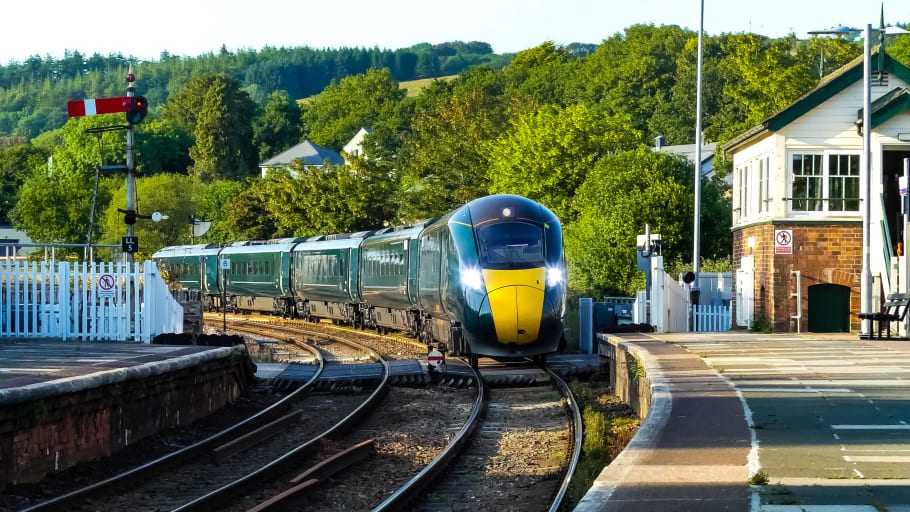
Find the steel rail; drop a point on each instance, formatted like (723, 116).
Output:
(196, 450)
(269, 471)
(413, 487)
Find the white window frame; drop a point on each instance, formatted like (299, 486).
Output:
(825, 177)
(754, 183)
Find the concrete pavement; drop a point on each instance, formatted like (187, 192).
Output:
(820, 412)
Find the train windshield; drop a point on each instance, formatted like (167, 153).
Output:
(510, 245)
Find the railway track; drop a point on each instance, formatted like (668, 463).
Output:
(419, 439)
(521, 457)
(219, 466)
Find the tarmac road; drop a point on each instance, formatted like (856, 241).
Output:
(831, 416)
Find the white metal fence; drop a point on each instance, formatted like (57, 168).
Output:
(100, 301)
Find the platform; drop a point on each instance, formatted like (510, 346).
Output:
(62, 403)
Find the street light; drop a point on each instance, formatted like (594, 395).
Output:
(866, 273)
(696, 225)
(838, 31)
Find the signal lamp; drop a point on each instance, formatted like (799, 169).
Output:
(139, 107)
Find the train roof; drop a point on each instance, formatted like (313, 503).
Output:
(187, 250)
(259, 247)
(409, 231)
(499, 206)
(321, 244)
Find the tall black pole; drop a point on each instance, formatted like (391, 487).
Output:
(130, 166)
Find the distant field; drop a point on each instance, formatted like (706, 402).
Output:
(414, 86)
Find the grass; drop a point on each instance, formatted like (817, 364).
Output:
(759, 478)
(603, 439)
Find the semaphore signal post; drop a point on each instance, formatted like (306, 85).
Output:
(135, 108)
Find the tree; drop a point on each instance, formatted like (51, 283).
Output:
(632, 72)
(547, 155)
(162, 146)
(55, 206)
(167, 193)
(276, 127)
(444, 161)
(213, 203)
(371, 100)
(541, 75)
(223, 133)
(245, 215)
(623, 192)
(328, 199)
(17, 163)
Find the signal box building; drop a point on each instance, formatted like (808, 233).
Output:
(798, 208)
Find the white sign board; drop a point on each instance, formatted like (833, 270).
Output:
(107, 285)
(783, 241)
(224, 264)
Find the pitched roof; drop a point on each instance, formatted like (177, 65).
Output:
(310, 152)
(825, 90)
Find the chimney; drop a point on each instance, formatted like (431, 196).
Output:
(659, 141)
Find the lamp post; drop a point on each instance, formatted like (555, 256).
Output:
(866, 273)
(696, 225)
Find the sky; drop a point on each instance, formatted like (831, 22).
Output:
(192, 27)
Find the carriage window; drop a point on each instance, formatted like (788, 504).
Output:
(507, 245)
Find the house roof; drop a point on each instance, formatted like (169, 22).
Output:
(310, 152)
(688, 151)
(825, 90)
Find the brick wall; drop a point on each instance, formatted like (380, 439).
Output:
(823, 253)
(51, 434)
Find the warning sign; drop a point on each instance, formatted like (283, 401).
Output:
(783, 241)
(435, 358)
(107, 285)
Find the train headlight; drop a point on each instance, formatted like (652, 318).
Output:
(472, 278)
(554, 276)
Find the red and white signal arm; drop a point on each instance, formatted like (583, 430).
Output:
(435, 358)
(95, 106)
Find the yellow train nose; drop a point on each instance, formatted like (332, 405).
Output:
(516, 302)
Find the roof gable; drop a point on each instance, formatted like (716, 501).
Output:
(884, 108)
(307, 151)
(825, 90)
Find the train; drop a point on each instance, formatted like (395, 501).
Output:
(487, 279)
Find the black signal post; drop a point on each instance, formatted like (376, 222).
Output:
(138, 106)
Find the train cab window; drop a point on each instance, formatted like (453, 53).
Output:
(506, 245)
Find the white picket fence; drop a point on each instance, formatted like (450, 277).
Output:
(100, 301)
(668, 310)
(713, 318)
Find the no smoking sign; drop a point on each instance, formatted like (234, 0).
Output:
(783, 241)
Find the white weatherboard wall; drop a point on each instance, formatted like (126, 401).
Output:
(100, 301)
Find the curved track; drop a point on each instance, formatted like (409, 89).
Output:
(141, 486)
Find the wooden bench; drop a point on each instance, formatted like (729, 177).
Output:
(893, 310)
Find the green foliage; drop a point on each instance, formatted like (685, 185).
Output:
(276, 126)
(166, 193)
(759, 478)
(549, 154)
(370, 100)
(223, 131)
(443, 159)
(761, 323)
(623, 193)
(17, 163)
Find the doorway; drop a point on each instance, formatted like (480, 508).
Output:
(829, 308)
